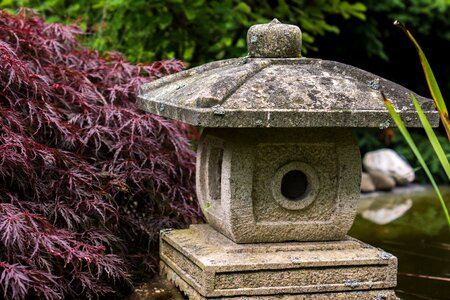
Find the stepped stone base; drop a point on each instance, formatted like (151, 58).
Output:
(204, 264)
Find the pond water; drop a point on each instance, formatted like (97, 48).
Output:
(416, 232)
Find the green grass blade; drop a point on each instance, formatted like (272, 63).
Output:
(432, 137)
(401, 126)
(431, 80)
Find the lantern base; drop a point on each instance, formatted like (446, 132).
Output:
(204, 264)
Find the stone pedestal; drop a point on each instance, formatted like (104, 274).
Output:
(205, 264)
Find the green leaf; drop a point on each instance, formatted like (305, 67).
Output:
(6, 3)
(412, 145)
(243, 7)
(357, 10)
(190, 13)
(165, 20)
(52, 19)
(431, 80)
(432, 137)
(198, 3)
(98, 5)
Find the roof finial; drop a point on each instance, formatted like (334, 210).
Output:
(274, 39)
(275, 21)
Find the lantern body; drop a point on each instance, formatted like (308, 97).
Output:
(276, 185)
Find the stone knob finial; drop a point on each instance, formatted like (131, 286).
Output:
(274, 40)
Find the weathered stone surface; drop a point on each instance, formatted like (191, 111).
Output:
(367, 185)
(274, 40)
(388, 162)
(240, 183)
(274, 92)
(358, 295)
(382, 181)
(216, 267)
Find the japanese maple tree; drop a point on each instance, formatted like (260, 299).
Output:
(86, 179)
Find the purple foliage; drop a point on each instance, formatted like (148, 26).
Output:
(86, 179)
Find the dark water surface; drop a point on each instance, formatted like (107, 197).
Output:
(418, 235)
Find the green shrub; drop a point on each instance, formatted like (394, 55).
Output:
(195, 31)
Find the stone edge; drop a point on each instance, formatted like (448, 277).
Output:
(225, 118)
(384, 294)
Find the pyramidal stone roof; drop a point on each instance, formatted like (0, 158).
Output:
(279, 89)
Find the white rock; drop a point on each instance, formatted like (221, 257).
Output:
(367, 185)
(387, 161)
(382, 181)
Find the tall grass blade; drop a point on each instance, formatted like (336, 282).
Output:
(431, 81)
(432, 137)
(401, 126)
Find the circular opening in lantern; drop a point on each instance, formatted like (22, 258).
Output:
(294, 185)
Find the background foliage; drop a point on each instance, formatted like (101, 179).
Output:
(195, 31)
(359, 33)
(377, 46)
(198, 31)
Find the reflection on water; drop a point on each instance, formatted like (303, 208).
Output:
(417, 234)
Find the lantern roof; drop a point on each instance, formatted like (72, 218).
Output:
(275, 87)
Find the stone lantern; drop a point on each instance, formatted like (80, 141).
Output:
(278, 173)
